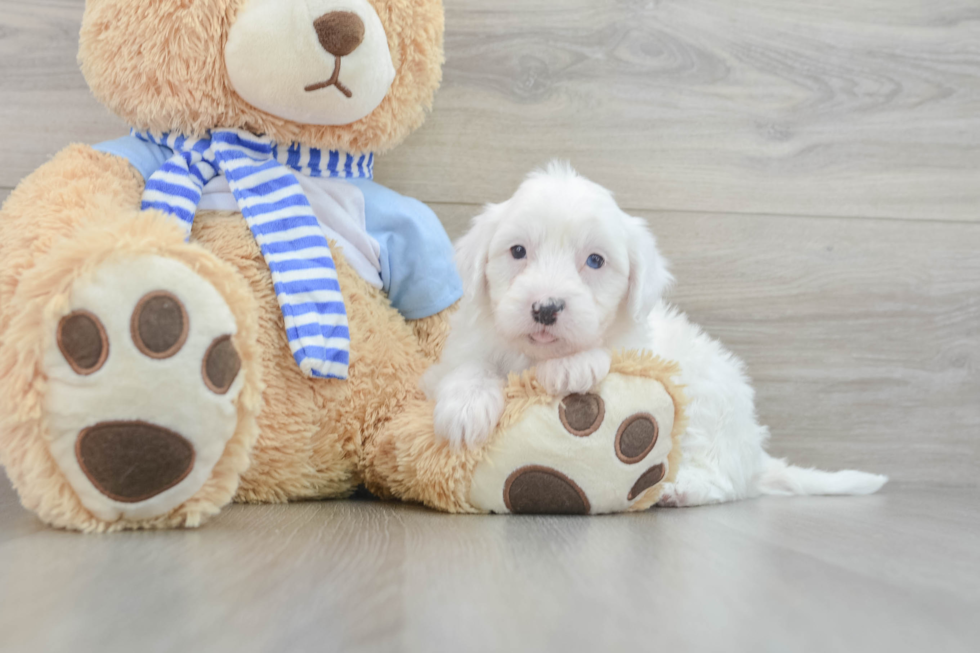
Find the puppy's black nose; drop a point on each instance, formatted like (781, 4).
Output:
(546, 313)
(340, 32)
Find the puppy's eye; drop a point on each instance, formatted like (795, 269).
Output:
(518, 252)
(595, 261)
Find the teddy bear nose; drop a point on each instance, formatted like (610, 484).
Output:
(340, 32)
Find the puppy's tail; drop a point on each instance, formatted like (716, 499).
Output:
(782, 479)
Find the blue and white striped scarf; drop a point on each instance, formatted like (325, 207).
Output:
(277, 211)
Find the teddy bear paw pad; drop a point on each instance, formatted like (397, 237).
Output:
(143, 378)
(581, 454)
(131, 462)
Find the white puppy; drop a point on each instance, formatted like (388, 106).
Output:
(557, 277)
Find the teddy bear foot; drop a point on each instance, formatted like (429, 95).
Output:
(613, 449)
(143, 378)
(607, 451)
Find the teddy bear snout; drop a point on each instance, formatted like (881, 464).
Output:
(340, 32)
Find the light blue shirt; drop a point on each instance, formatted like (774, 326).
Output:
(418, 271)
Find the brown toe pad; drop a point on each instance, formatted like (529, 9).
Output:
(221, 365)
(83, 342)
(160, 325)
(636, 438)
(131, 462)
(582, 415)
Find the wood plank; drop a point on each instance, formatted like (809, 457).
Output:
(836, 108)
(46, 103)
(863, 336)
(896, 572)
(839, 108)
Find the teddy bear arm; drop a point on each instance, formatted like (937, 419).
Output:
(610, 450)
(72, 191)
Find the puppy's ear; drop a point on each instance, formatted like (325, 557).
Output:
(649, 276)
(473, 250)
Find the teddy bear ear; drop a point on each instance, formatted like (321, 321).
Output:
(165, 66)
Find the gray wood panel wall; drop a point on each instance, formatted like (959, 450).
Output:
(812, 170)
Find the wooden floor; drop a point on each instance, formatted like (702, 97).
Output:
(891, 573)
(812, 169)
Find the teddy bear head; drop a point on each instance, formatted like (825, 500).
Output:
(350, 75)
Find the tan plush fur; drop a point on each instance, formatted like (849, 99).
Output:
(432, 332)
(53, 204)
(159, 64)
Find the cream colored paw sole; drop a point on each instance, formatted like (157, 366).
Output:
(142, 387)
(584, 454)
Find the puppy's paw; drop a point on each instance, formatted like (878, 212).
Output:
(576, 374)
(466, 416)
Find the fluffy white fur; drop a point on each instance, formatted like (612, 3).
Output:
(561, 219)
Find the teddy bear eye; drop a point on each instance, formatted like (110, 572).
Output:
(518, 252)
(595, 261)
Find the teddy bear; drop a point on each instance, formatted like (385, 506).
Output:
(224, 306)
